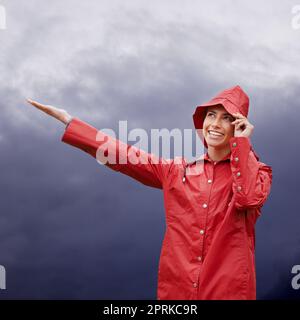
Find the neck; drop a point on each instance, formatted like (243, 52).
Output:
(216, 154)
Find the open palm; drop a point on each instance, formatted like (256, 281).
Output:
(59, 114)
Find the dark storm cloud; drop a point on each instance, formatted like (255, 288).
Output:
(70, 228)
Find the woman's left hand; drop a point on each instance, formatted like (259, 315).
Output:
(242, 126)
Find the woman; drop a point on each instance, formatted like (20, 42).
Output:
(208, 249)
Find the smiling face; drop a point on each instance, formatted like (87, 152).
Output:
(217, 127)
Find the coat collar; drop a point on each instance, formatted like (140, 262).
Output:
(205, 157)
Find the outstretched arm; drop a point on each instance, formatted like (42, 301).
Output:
(134, 162)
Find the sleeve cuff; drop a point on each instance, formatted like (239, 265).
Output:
(240, 142)
(240, 149)
(67, 124)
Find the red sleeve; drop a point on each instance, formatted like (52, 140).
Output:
(130, 160)
(251, 179)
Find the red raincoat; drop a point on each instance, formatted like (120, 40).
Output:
(211, 209)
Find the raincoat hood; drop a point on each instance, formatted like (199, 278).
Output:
(233, 100)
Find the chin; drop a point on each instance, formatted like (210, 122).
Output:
(213, 143)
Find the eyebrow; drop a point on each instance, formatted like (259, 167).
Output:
(225, 113)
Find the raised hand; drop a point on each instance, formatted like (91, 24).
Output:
(60, 114)
(242, 126)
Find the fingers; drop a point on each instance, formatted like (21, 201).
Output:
(38, 105)
(243, 128)
(241, 125)
(237, 121)
(60, 114)
(238, 118)
(52, 111)
(239, 115)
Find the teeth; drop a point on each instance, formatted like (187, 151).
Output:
(215, 133)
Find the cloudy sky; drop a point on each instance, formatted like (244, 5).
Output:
(72, 229)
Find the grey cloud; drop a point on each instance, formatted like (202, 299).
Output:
(70, 228)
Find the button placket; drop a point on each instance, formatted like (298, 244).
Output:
(205, 205)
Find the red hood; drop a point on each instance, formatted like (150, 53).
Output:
(233, 100)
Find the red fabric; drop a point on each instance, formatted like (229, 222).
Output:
(220, 262)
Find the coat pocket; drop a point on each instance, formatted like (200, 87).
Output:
(178, 195)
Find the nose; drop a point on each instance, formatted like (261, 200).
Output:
(216, 122)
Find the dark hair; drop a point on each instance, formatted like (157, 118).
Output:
(205, 112)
